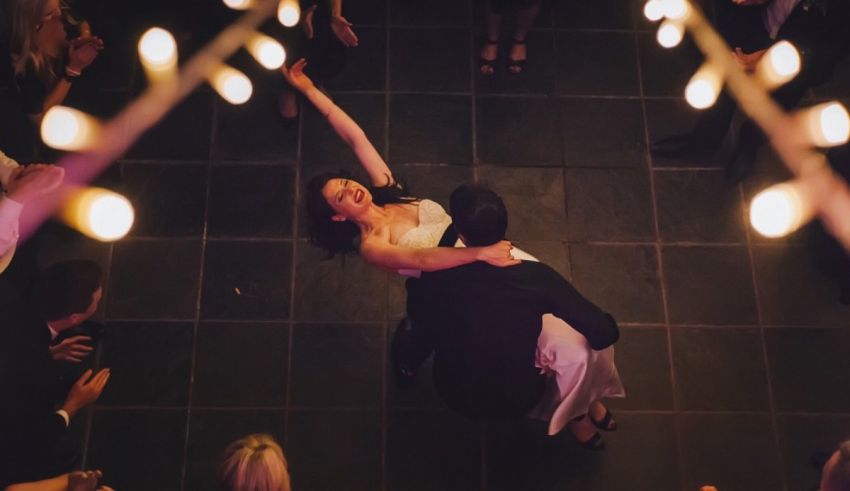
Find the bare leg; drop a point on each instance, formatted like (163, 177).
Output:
(490, 49)
(524, 20)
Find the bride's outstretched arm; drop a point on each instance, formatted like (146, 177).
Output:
(342, 123)
(380, 252)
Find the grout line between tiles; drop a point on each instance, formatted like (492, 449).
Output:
(658, 254)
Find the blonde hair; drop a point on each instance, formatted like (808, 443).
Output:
(23, 17)
(254, 463)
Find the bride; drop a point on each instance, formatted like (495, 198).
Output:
(395, 231)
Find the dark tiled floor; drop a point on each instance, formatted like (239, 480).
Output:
(222, 320)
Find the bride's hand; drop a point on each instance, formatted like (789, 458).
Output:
(296, 77)
(498, 254)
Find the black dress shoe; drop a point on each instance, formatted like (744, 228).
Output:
(678, 146)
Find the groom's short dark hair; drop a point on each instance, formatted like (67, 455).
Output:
(479, 214)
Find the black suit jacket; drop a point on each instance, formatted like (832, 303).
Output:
(30, 430)
(483, 323)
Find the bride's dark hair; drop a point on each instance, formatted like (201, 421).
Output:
(343, 237)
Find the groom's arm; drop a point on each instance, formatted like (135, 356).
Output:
(584, 316)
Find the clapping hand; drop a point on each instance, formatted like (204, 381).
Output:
(82, 52)
(342, 28)
(296, 77)
(85, 391)
(72, 349)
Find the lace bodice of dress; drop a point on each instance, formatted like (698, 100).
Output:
(433, 222)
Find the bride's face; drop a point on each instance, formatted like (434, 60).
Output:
(347, 197)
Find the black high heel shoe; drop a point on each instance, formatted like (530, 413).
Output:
(488, 67)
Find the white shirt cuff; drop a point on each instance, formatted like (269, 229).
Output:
(65, 416)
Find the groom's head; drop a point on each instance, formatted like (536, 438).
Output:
(478, 214)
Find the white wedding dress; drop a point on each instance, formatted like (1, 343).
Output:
(579, 375)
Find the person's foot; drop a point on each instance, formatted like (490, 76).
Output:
(287, 105)
(601, 417)
(585, 434)
(518, 56)
(489, 54)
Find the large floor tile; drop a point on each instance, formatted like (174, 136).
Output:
(709, 285)
(338, 289)
(666, 71)
(322, 378)
(320, 145)
(517, 131)
(698, 206)
(592, 138)
(604, 14)
(596, 63)
(435, 13)
(435, 60)
(149, 362)
(154, 279)
(806, 367)
(255, 130)
(430, 128)
(247, 280)
(184, 133)
(729, 452)
(642, 454)
(138, 450)
(668, 117)
(802, 436)
(366, 65)
(169, 199)
(331, 450)
(780, 273)
(251, 201)
(609, 205)
(534, 198)
(719, 369)
(643, 361)
(241, 364)
(447, 456)
(210, 431)
(622, 280)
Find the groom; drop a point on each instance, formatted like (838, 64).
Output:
(482, 323)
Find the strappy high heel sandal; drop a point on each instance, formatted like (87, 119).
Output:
(487, 67)
(517, 66)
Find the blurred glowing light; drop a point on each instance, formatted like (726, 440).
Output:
(99, 213)
(267, 51)
(238, 4)
(65, 128)
(778, 210)
(232, 85)
(158, 50)
(675, 9)
(653, 10)
(288, 12)
(827, 124)
(780, 64)
(670, 34)
(704, 87)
